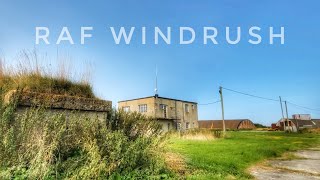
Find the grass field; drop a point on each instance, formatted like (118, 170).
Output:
(230, 157)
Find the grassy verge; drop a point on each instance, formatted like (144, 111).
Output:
(229, 158)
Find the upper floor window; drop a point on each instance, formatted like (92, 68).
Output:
(143, 108)
(163, 107)
(186, 108)
(126, 108)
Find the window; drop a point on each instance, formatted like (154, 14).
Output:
(186, 108)
(126, 109)
(163, 107)
(143, 108)
(187, 125)
(178, 126)
(168, 126)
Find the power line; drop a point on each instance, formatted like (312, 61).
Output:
(270, 99)
(247, 94)
(303, 107)
(209, 103)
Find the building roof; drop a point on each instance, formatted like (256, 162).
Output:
(317, 122)
(218, 124)
(303, 122)
(159, 98)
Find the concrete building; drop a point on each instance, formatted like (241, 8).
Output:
(173, 114)
(232, 124)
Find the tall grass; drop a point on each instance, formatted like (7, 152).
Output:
(37, 146)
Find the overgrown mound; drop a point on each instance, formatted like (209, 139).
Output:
(44, 84)
(32, 73)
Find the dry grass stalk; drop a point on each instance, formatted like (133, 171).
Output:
(32, 72)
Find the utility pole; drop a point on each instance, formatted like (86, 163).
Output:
(287, 120)
(222, 110)
(284, 124)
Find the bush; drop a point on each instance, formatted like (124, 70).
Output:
(37, 146)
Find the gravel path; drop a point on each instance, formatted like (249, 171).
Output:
(306, 167)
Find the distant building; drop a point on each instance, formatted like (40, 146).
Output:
(172, 114)
(235, 124)
(299, 121)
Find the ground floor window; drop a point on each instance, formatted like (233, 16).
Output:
(126, 108)
(178, 126)
(187, 125)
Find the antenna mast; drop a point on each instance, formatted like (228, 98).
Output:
(156, 89)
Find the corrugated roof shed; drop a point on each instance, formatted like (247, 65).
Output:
(302, 123)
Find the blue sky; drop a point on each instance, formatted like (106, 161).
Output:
(190, 72)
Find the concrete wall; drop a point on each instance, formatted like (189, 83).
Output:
(167, 125)
(68, 113)
(56, 104)
(134, 105)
